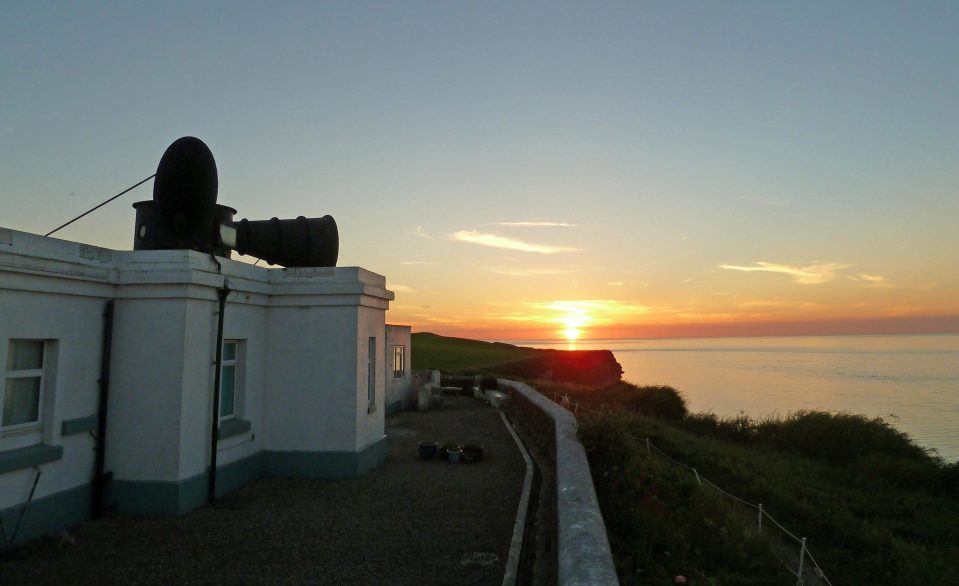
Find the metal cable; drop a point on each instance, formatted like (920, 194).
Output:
(138, 184)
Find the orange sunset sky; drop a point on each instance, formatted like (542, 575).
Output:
(530, 170)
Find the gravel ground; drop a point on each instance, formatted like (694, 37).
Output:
(407, 522)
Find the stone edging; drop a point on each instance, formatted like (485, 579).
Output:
(583, 547)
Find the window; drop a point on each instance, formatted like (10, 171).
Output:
(228, 390)
(22, 388)
(371, 376)
(399, 361)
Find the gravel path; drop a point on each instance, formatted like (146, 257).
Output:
(407, 522)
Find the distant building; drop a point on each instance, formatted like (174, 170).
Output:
(400, 394)
(300, 390)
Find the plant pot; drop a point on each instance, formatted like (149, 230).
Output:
(472, 453)
(454, 455)
(428, 450)
(445, 448)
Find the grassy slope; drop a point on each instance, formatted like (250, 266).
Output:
(431, 351)
(872, 517)
(875, 508)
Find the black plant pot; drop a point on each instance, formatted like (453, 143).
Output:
(427, 450)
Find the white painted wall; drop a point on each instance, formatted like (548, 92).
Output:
(311, 383)
(76, 323)
(399, 389)
(370, 423)
(147, 372)
(303, 363)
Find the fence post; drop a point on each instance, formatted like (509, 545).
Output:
(697, 477)
(760, 518)
(802, 554)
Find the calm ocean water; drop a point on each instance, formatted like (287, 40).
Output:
(911, 381)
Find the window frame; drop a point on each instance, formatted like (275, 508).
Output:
(399, 373)
(371, 374)
(39, 373)
(235, 363)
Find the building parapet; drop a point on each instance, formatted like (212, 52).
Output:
(583, 551)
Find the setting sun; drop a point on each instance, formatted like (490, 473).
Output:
(574, 321)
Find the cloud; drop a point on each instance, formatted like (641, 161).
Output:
(768, 202)
(557, 224)
(579, 312)
(397, 288)
(615, 283)
(419, 232)
(874, 281)
(814, 274)
(509, 272)
(484, 239)
(419, 262)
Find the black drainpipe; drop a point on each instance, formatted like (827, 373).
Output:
(100, 478)
(215, 420)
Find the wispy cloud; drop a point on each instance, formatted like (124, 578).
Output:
(420, 233)
(814, 274)
(614, 283)
(401, 288)
(419, 262)
(874, 281)
(556, 224)
(769, 202)
(577, 313)
(511, 272)
(496, 241)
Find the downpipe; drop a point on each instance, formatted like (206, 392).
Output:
(222, 294)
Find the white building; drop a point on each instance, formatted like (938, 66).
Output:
(301, 393)
(399, 376)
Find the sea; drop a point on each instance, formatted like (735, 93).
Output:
(911, 381)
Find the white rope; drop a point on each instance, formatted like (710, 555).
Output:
(819, 572)
(729, 494)
(781, 527)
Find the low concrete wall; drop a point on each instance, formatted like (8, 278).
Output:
(584, 555)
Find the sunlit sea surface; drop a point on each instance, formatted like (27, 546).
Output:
(911, 381)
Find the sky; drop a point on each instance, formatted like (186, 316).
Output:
(528, 170)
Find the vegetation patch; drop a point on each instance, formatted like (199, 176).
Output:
(462, 356)
(875, 507)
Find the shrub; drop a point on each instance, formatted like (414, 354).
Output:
(658, 401)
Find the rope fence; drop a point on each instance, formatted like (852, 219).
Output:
(794, 561)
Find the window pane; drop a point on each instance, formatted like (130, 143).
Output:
(227, 390)
(21, 400)
(25, 355)
(398, 361)
(229, 350)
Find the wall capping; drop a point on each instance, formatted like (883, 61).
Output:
(583, 546)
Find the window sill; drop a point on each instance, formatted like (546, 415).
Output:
(232, 427)
(29, 457)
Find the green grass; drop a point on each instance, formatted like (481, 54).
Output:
(431, 351)
(875, 510)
